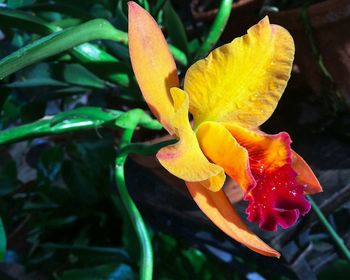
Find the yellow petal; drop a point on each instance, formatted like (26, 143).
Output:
(185, 158)
(242, 81)
(305, 175)
(220, 147)
(219, 210)
(152, 62)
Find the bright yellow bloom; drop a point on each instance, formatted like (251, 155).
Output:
(230, 94)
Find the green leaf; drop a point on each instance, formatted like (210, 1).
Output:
(107, 271)
(3, 241)
(98, 115)
(37, 82)
(58, 42)
(96, 59)
(105, 65)
(18, 19)
(175, 28)
(74, 120)
(38, 75)
(78, 119)
(78, 75)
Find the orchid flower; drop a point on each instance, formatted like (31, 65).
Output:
(230, 94)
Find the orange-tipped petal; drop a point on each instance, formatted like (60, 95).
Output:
(218, 209)
(185, 158)
(242, 81)
(221, 148)
(306, 176)
(152, 62)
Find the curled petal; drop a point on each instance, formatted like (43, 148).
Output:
(152, 62)
(216, 206)
(242, 81)
(222, 148)
(185, 158)
(278, 198)
(306, 176)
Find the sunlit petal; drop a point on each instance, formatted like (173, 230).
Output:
(216, 206)
(221, 148)
(152, 62)
(185, 158)
(242, 81)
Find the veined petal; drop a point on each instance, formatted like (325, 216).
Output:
(242, 82)
(185, 158)
(306, 176)
(216, 206)
(278, 197)
(152, 62)
(221, 147)
(265, 151)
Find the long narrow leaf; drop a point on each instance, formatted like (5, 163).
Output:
(175, 27)
(16, 18)
(78, 119)
(57, 42)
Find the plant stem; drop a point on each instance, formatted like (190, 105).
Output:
(146, 258)
(216, 29)
(334, 235)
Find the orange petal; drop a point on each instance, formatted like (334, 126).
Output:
(152, 62)
(220, 147)
(242, 81)
(267, 151)
(306, 176)
(185, 158)
(219, 210)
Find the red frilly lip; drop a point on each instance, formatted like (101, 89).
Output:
(277, 197)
